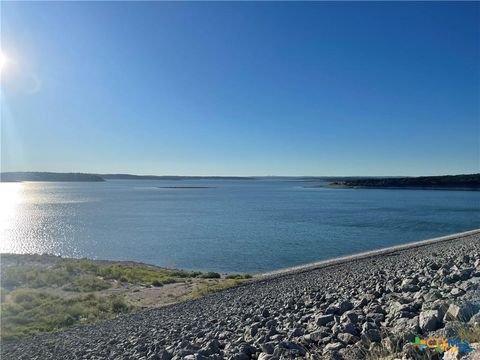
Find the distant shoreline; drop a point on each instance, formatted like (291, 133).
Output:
(469, 182)
(49, 176)
(447, 182)
(335, 186)
(186, 187)
(86, 177)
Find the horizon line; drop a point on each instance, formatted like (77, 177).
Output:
(232, 176)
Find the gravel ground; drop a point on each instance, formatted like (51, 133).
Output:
(344, 309)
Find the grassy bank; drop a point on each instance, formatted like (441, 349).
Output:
(42, 293)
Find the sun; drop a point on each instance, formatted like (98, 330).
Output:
(3, 61)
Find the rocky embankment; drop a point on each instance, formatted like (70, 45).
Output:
(366, 307)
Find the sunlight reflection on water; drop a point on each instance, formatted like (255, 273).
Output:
(27, 225)
(226, 226)
(11, 195)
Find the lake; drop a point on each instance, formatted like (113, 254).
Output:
(222, 225)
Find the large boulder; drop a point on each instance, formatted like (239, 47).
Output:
(429, 320)
(347, 338)
(349, 316)
(323, 319)
(461, 312)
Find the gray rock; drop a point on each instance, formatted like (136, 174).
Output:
(240, 356)
(247, 349)
(449, 355)
(200, 357)
(359, 304)
(268, 347)
(265, 356)
(429, 320)
(252, 330)
(164, 355)
(322, 320)
(333, 347)
(297, 332)
(456, 292)
(344, 306)
(349, 328)
(297, 348)
(475, 320)
(410, 288)
(373, 335)
(318, 335)
(461, 312)
(349, 316)
(347, 338)
(376, 318)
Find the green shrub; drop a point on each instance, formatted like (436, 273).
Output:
(181, 274)
(210, 275)
(118, 305)
(169, 281)
(157, 283)
(87, 283)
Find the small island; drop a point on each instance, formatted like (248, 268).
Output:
(449, 182)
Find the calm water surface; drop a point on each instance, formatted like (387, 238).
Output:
(250, 225)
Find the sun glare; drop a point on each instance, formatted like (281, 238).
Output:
(11, 195)
(3, 61)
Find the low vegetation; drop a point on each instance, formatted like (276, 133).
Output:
(28, 311)
(42, 293)
(239, 276)
(210, 275)
(204, 288)
(470, 333)
(88, 275)
(470, 181)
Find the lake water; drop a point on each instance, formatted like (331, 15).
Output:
(234, 226)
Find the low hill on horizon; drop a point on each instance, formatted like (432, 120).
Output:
(47, 176)
(17, 176)
(469, 181)
(170, 177)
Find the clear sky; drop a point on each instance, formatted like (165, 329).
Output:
(241, 88)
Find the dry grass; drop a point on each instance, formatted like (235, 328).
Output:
(42, 293)
(470, 333)
(206, 287)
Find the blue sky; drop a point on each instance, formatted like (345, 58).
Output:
(241, 88)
